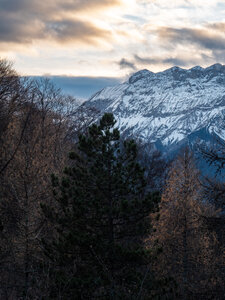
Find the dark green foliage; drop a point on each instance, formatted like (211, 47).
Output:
(101, 220)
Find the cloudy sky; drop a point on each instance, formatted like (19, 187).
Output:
(110, 38)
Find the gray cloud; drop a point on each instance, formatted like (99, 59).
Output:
(52, 7)
(182, 62)
(21, 31)
(145, 60)
(24, 21)
(178, 61)
(125, 64)
(200, 37)
(218, 56)
(217, 26)
(70, 30)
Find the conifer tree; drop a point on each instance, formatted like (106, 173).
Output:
(101, 219)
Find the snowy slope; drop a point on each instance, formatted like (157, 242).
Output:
(167, 106)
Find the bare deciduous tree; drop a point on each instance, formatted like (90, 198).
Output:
(189, 249)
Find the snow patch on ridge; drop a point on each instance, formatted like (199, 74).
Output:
(169, 105)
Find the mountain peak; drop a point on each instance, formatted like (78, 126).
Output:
(167, 106)
(178, 72)
(196, 68)
(215, 67)
(174, 69)
(139, 75)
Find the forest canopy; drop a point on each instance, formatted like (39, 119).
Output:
(88, 214)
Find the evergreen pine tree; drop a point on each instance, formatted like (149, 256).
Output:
(100, 220)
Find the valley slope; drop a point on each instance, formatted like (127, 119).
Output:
(168, 108)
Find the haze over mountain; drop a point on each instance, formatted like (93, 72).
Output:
(168, 108)
(81, 87)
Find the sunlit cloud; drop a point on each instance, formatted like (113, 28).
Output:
(110, 37)
(26, 21)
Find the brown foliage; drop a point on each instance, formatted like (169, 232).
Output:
(191, 252)
(34, 144)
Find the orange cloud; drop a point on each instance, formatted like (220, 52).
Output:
(25, 21)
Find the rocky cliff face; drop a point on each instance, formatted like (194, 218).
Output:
(169, 107)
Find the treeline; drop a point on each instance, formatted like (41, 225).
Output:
(87, 215)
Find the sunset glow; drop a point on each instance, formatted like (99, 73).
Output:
(110, 37)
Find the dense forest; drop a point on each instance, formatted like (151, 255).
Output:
(87, 214)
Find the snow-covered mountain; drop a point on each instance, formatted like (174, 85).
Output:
(168, 107)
